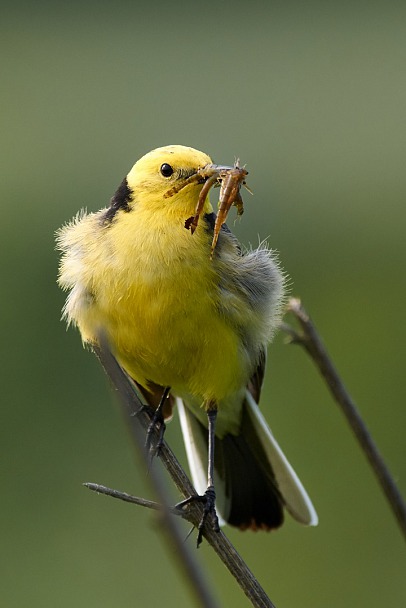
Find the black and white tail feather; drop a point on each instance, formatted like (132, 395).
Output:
(253, 479)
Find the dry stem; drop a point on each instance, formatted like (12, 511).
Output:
(311, 341)
(139, 418)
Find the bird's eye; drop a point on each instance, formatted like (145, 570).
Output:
(166, 170)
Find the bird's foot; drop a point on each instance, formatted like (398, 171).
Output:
(209, 511)
(154, 443)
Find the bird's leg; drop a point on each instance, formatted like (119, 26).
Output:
(157, 420)
(210, 494)
(209, 497)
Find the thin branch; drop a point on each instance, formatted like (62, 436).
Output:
(135, 500)
(311, 341)
(138, 417)
(135, 411)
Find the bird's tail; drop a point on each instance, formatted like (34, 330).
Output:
(253, 479)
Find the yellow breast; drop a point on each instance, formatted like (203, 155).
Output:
(156, 295)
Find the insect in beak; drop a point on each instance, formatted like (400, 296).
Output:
(230, 180)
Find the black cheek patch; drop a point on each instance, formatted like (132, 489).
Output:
(121, 200)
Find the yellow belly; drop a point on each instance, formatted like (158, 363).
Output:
(191, 351)
(161, 317)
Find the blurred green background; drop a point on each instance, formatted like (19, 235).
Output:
(312, 97)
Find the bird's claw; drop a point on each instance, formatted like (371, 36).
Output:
(157, 425)
(209, 511)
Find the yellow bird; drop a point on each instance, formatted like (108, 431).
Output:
(197, 325)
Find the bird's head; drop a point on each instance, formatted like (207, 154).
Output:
(165, 170)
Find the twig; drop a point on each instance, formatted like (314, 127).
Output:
(135, 500)
(139, 418)
(311, 341)
(134, 411)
